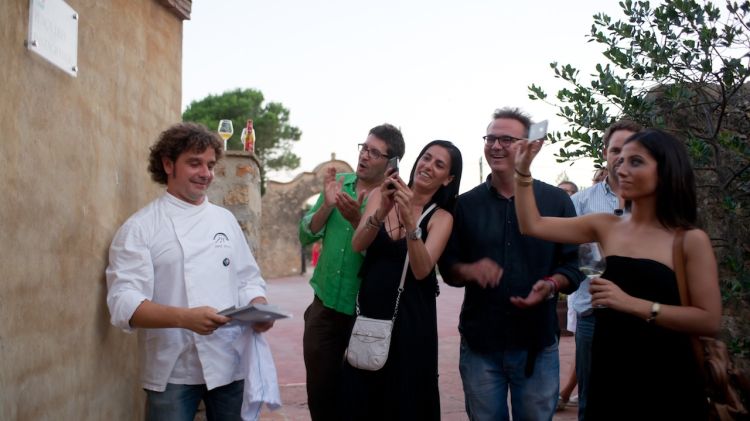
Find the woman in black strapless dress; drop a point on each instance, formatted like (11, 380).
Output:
(642, 365)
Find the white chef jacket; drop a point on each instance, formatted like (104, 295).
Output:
(178, 254)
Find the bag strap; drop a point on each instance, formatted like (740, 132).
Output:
(678, 260)
(403, 272)
(406, 264)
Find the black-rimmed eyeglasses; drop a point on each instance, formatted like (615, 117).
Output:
(504, 140)
(371, 152)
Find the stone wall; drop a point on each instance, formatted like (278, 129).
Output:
(280, 249)
(236, 186)
(73, 160)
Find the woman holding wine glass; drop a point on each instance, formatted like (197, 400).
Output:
(641, 341)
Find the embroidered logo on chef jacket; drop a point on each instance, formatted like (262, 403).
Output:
(221, 240)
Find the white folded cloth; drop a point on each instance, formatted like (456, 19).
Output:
(261, 383)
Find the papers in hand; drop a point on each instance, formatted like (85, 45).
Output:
(252, 313)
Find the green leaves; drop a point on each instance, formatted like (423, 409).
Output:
(675, 46)
(274, 136)
(682, 66)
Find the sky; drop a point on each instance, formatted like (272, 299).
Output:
(436, 69)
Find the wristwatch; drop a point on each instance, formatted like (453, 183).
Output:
(415, 235)
(655, 308)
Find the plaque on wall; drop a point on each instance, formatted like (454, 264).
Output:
(53, 33)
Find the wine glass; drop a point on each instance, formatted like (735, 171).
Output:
(225, 131)
(591, 261)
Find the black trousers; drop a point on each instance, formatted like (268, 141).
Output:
(324, 341)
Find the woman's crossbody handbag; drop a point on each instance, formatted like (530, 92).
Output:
(371, 338)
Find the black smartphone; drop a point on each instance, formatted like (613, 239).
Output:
(392, 164)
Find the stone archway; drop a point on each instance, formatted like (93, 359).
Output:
(279, 253)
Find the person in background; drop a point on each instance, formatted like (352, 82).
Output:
(332, 220)
(602, 197)
(406, 388)
(315, 253)
(172, 266)
(642, 330)
(565, 399)
(508, 323)
(570, 187)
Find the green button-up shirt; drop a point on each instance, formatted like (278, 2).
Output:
(335, 280)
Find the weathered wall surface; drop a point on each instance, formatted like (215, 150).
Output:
(73, 164)
(236, 186)
(279, 253)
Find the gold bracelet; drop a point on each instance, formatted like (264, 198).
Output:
(522, 174)
(523, 181)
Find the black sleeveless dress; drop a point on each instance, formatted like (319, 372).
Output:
(406, 388)
(640, 371)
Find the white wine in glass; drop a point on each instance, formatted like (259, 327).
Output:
(592, 262)
(225, 131)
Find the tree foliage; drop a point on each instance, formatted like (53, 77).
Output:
(681, 66)
(274, 136)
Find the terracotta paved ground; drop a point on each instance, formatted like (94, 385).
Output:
(294, 294)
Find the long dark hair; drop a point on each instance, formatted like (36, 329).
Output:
(445, 196)
(676, 205)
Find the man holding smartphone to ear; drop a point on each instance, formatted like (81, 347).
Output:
(391, 168)
(335, 282)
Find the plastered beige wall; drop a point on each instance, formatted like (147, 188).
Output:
(73, 168)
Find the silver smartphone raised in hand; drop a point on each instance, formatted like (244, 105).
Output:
(538, 130)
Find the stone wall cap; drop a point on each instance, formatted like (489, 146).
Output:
(319, 171)
(242, 154)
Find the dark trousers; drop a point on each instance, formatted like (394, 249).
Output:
(324, 342)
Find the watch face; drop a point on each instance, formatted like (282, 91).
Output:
(416, 234)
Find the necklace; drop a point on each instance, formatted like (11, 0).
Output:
(390, 228)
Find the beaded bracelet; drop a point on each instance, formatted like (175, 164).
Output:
(554, 281)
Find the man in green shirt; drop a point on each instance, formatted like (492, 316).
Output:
(333, 219)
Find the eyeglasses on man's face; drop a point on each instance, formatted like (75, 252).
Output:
(371, 152)
(504, 140)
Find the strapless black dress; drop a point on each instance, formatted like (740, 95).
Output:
(640, 371)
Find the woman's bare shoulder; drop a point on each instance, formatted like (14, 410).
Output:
(696, 238)
(442, 215)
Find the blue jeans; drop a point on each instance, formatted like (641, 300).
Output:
(488, 377)
(584, 338)
(179, 402)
